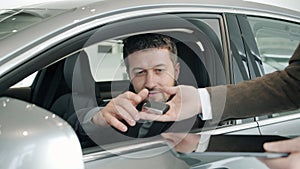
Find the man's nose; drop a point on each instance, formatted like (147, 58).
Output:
(150, 80)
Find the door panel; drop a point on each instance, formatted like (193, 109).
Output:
(287, 125)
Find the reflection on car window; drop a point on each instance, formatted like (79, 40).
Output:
(106, 61)
(26, 82)
(276, 41)
(199, 50)
(13, 21)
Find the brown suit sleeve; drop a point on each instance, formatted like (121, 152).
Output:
(274, 92)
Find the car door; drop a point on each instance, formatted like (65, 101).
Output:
(276, 40)
(265, 45)
(106, 44)
(203, 49)
(204, 38)
(240, 69)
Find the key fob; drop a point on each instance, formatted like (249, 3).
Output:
(156, 107)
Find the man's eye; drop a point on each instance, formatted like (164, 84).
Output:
(159, 70)
(140, 72)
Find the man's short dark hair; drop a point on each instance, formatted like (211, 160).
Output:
(150, 40)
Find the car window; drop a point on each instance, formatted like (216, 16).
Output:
(106, 58)
(26, 82)
(200, 51)
(276, 41)
(106, 61)
(198, 41)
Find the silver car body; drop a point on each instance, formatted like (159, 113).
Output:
(30, 138)
(70, 19)
(76, 20)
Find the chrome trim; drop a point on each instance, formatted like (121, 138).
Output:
(123, 150)
(226, 49)
(279, 119)
(189, 31)
(230, 129)
(15, 62)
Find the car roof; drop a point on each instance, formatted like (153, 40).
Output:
(76, 11)
(111, 5)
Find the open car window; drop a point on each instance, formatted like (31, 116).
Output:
(200, 54)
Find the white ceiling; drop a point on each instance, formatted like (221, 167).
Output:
(291, 4)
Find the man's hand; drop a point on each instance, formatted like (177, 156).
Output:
(291, 146)
(182, 142)
(123, 107)
(185, 104)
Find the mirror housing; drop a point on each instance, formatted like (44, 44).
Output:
(32, 137)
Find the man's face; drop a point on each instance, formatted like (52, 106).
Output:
(152, 69)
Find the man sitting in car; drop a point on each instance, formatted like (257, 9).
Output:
(151, 62)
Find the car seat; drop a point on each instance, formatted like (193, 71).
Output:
(79, 80)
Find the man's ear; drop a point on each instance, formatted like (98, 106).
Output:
(177, 71)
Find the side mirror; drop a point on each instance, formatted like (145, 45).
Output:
(32, 137)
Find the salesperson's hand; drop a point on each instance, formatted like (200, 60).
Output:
(291, 146)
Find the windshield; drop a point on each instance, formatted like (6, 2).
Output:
(13, 21)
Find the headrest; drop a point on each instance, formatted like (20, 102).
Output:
(77, 74)
(205, 28)
(192, 69)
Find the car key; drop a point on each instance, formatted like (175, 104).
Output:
(156, 107)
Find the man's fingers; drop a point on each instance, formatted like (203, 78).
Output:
(156, 117)
(143, 94)
(290, 145)
(123, 114)
(174, 136)
(126, 109)
(113, 121)
(275, 163)
(136, 99)
(169, 137)
(170, 90)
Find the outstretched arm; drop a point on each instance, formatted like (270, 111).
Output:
(275, 92)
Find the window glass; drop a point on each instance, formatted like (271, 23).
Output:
(26, 82)
(199, 50)
(276, 41)
(106, 61)
(106, 57)
(215, 25)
